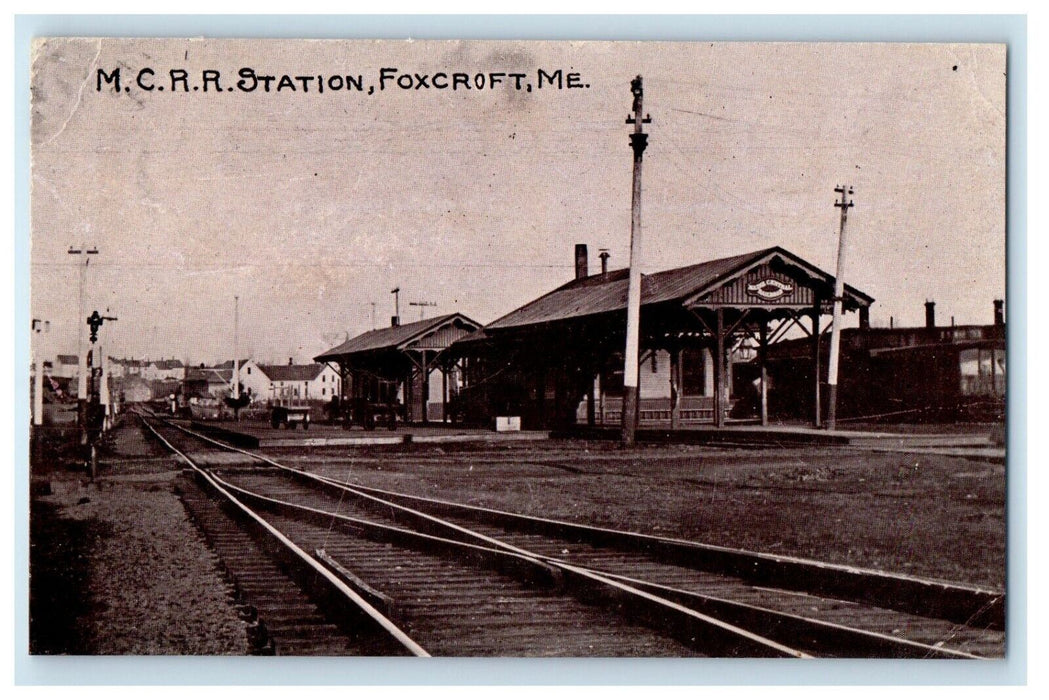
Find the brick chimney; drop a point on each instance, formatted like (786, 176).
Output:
(581, 267)
(999, 312)
(930, 314)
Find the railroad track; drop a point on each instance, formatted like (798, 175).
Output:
(462, 580)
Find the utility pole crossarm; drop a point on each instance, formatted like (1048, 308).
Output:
(422, 306)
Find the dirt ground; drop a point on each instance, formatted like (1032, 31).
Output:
(923, 514)
(116, 567)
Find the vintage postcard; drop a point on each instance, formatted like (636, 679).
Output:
(518, 348)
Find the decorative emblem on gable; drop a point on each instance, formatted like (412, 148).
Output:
(769, 289)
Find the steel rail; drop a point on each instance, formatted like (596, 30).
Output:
(500, 559)
(416, 515)
(849, 637)
(840, 640)
(969, 605)
(689, 626)
(397, 635)
(784, 627)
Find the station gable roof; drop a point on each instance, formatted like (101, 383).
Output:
(429, 334)
(693, 285)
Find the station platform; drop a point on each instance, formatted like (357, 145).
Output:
(965, 444)
(259, 434)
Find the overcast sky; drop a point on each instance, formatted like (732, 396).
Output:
(310, 206)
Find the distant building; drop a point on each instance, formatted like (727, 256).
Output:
(252, 380)
(66, 367)
(290, 382)
(206, 382)
(126, 367)
(164, 369)
(228, 364)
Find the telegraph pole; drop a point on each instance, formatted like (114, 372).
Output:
(638, 142)
(839, 293)
(236, 349)
(38, 362)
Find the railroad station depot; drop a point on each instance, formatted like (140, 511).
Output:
(742, 338)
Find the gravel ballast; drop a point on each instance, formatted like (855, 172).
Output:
(117, 566)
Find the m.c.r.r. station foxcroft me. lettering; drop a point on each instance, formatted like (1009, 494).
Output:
(179, 80)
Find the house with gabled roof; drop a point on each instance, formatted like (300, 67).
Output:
(290, 382)
(164, 369)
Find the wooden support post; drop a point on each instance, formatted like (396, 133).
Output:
(409, 395)
(425, 389)
(600, 397)
(675, 386)
(719, 369)
(763, 346)
(444, 394)
(816, 357)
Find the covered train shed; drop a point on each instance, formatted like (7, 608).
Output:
(543, 359)
(394, 365)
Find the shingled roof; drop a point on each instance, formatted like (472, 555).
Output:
(292, 373)
(392, 337)
(604, 293)
(228, 364)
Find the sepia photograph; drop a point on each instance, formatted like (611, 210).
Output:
(478, 348)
